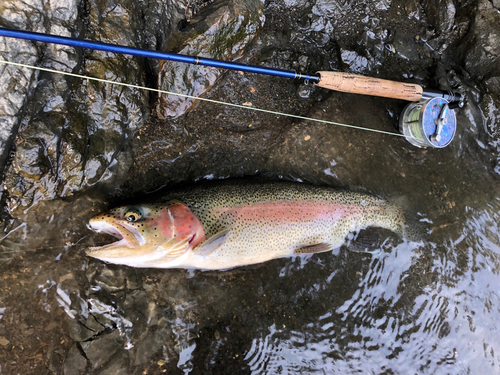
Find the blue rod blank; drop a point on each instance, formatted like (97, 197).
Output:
(78, 43)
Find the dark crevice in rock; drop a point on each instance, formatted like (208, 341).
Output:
(81, 351)
(86, 326)
(107, 330)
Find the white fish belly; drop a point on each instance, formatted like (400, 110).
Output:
(260, 243)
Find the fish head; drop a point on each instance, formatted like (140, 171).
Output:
(147, 233)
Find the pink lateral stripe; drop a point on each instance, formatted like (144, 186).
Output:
(289, 211)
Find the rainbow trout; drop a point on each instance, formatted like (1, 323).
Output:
(221, 226)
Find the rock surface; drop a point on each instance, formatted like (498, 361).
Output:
(223, 33)
(479, 55)
(17, 83)
(441, 14)
(71, 134)
(490, 109)
(480, 48)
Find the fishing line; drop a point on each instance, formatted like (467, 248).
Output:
(66, 246)
(204, 99)
(12, 231)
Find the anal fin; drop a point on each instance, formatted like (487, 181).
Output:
(313, 249)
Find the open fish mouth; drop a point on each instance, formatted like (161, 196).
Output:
(128, 237)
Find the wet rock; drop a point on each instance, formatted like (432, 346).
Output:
(296, 3)
(16, 82)
(327, 8)
(4, 341)
(479, 49)
(222, 32)
(322, 29)
(404, 46)
(355, 62)
(72, 132)
(102, 348)
(84, 329)
(490, 108)
(441, 14)
(74, 363)
(152, 341)
(80, 325)
(381, 4)
(118, 364)
(373, 40)
(412, 9)
(111, 281)
(304, 91)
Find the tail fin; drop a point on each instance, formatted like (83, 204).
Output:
(412, 228)
(416, 230)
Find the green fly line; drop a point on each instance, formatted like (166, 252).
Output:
(199, 98)
(413, 122)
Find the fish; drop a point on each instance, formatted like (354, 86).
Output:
(226, 225)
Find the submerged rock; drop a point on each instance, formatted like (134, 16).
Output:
(405, 46)
(327, 8)
(490, 108)
(75, 363)
(223, 32)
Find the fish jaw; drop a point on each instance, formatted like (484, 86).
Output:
(130, 249)
(128, 238)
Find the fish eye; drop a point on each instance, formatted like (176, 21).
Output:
(132, 215)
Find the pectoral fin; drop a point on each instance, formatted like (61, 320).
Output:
(168, 251)
(213, 243)
(312, 249)
(176, 248)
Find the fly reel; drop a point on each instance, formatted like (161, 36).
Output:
(429, 123)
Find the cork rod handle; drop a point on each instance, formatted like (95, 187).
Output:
(357, 84)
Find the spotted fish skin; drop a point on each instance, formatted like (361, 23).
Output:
(236, 224)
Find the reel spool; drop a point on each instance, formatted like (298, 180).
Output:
(429, 123)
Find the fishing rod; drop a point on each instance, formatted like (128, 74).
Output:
(337, 81)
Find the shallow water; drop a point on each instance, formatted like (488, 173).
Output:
(429, 308)
(412, 308)
(408, 309)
